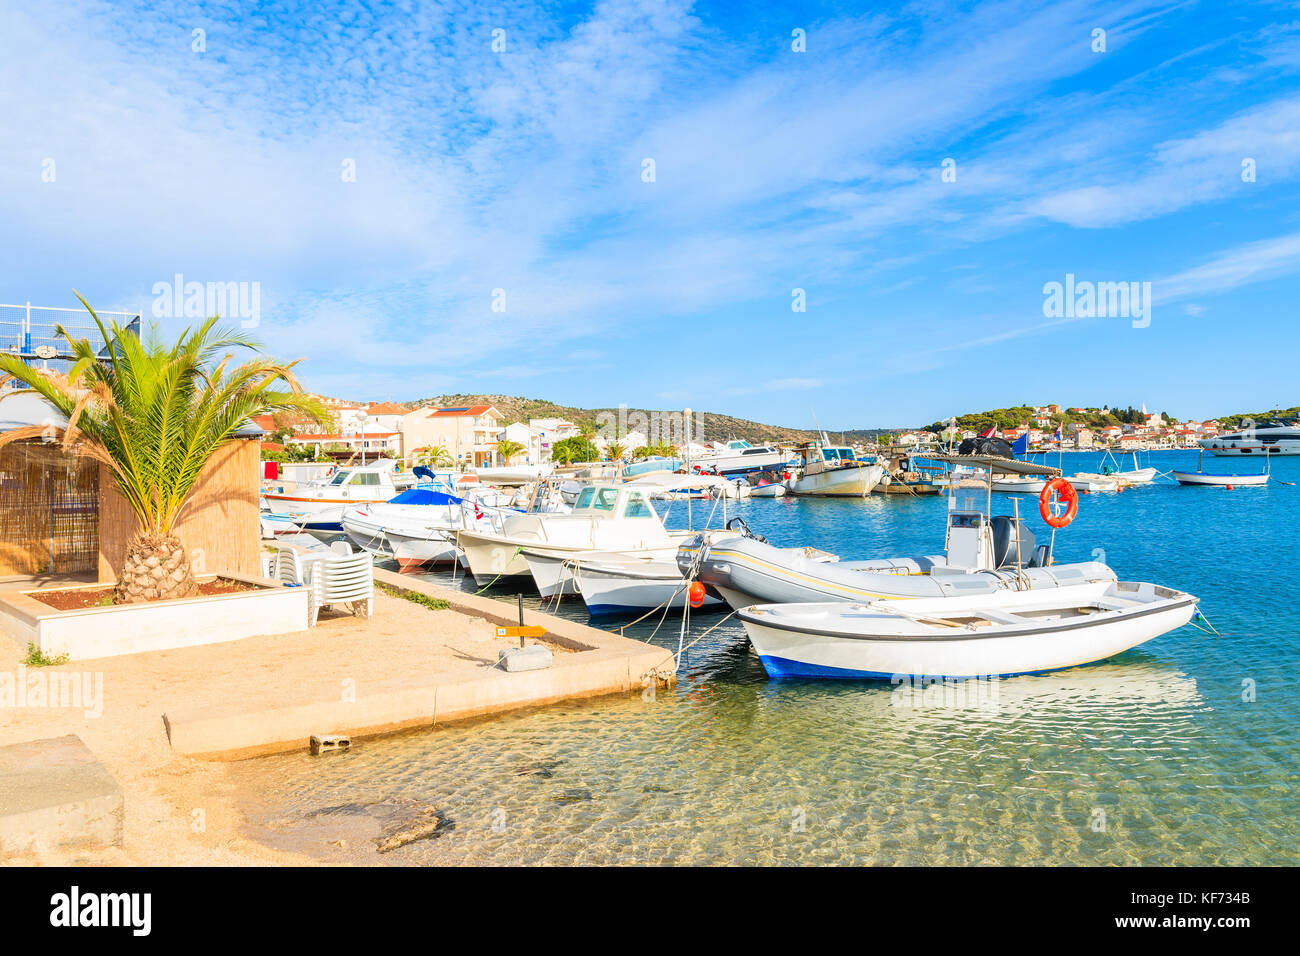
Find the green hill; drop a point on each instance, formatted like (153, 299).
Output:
(710, 426)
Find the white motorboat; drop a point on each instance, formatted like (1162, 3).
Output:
(1272, 438)
(741, 458)
(514, 474)
(1019, 484)
(417, 527)
(982, 554)
(633, 585)
(1002, 634)
(833, 471)
(377, 481)
(560, 572)
(605, 517)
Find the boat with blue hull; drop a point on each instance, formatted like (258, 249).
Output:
(1000, 634)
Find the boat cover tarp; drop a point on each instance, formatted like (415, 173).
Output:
(985, 446)
(424, 496)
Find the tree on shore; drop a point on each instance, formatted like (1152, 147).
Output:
(155, 413)
(509, 450)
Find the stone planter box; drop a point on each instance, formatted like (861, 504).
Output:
(154, 626)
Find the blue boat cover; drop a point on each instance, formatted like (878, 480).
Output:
(424, 496)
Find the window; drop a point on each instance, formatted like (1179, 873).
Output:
(637, 506)
(584, 499)
(364, 478)
(341, 477)
(606, 499)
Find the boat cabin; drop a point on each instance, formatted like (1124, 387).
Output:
(817, 457)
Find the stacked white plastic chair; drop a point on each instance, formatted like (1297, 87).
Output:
(340, 578)
(343, 578)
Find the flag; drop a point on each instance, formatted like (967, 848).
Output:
(1057, 435)
(990, 433)
(1021, 445)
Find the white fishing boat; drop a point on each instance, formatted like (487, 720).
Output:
(554, 569)
(514, 474)
(272, 524)
(1004, 633)
(1220, 481)
(1090, 484)
(982, 553)
(418, 526)
(606, 517)
(741, 458)
(376, 482)
(560, 572)
(1019, 484)
(634, 584)
(769, 489)
(1199, 477)
(833, 471)
(1126, 477)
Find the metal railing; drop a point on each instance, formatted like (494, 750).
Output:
(31, 331)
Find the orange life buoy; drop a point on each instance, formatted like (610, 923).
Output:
(1054, 492)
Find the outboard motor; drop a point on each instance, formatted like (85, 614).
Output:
(1013, 543)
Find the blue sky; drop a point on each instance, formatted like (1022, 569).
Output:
(775, 170)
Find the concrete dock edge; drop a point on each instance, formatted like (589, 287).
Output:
(603, 663)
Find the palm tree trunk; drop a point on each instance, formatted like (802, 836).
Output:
(155, 569)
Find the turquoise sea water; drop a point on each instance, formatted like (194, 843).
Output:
(1183, 751)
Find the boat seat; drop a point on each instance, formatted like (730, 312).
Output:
(1117, 603)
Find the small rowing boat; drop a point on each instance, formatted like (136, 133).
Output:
(1199, 477)
(1003, 634)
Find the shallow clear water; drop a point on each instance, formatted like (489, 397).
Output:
(1152, 757)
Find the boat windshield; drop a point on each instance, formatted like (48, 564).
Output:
(341, 477)
(584, 499)
(832, 454)
(606, 499)
(637, 506)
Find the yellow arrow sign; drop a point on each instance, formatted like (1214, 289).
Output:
(521, 631)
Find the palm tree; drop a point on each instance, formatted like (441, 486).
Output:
(615, 451)
(155, 414)
(434, 456)
(508, 450)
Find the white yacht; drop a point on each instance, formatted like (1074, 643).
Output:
(741, 458)
(1272, 439)
(375, 482)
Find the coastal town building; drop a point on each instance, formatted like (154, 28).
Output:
(527, 436)
(469, 433)
(552, 430)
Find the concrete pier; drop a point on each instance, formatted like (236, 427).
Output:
(54, 793)
(589, 662)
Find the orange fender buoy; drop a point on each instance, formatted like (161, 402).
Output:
(695, 593)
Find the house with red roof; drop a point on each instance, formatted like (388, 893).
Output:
(469, 433)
